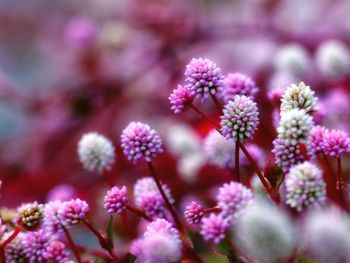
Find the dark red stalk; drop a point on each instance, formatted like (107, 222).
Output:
(274, 195)
(104, 242)
(204, 116)
(138, 212)
(212, 210)
(217, 103)
(7, 241)
(339, 183)
(71, 244)
(237, 177)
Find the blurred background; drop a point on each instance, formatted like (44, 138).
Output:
(71, 66)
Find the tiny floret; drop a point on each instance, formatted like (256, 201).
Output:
(240, 119)
(214, 228)
(30, 216)
(96, 152)
(153, 205)
(305, 186)
(139, 141)
(180, 99)
(299, 97)
(204, 78)
(295, 126)
(286, 154)
(233, 198)
(336, 143)
(116, 200)
(34, 246)
(316, 140)
(194, 213)
(73, 211)
(56, 251)
(238, 84)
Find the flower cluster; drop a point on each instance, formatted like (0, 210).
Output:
(238, 84)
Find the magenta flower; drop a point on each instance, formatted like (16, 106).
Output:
(163, 226)
(316, 139)
(194, 213)
(139, 141)
(180, 99)
(56, 251)
(233, 198)
(240, 119)
(203, 78)
(336, 143)
(214, 228)
(52, 223)
(73, 211)
(116, 200)
(286, 154)
(238, 84)
(153, 205)
(15, 250)
(34, 246)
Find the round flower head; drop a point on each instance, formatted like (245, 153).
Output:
(194, 213)
(81, 33)
(180, 99)
(299, 97)
(238, 84)
(333, 59)
(116, 200)
(305, 186)
(316, 139)
(162, 226)
(35, 244)
(204, 78)
(240, 119)
(214, 228)
(52, 223)
(260, 223)
(30, 216)
(233, 198)
(139, 141)
(286, 154)
(14, 251)
(153, 205)
(326, 236)
(61, 192)
(56, 251)
(293, 59)
(295, 126)
(145, 186)
(73, 211)
(336, 143)
(218, 150)
(96, 152)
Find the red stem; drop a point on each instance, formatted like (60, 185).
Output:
(237, 162)
(217, 103)
(72, 245)
(7, 241)
(339, 183)
(274, 195)
(104, 242)
(138, 212)
(212, 210)
(204, 116)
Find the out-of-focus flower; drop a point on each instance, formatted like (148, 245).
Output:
(255, 152)
(30, 216)
(238, 84)
(240, 119)
(14, 251)
(299, 97)
(34, 246)
(96, 152)
(139, 141)
(204, 78)
(326, 236)
(3, 229)
(295, 126)
(286, 154)
(162, 226)
(263, 222)
(317, 139)
(194, 213)
(233, 198)
(293, 59)
(218, 150)
(52, 223)
(73, 211)
(190, 165)
(305, 186)
(153, 205)
(214, 228)
(333, 59)
(116, 200)
(61, 192)
(81, 33)
(335, 143)
(181, 99)
(56, 251)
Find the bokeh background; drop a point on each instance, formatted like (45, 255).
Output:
(71, 66)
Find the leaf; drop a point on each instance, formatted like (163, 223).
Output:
(274, 174)
(224, 249)
(109, 230)
(128, 258)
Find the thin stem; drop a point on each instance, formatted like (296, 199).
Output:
(71, 244)
(204, 116)
(217, 103)
(212, 210)
(339, 183)
(138, 212)
(17, 230)
(237, 161)
(274, 195)
(104, 242)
